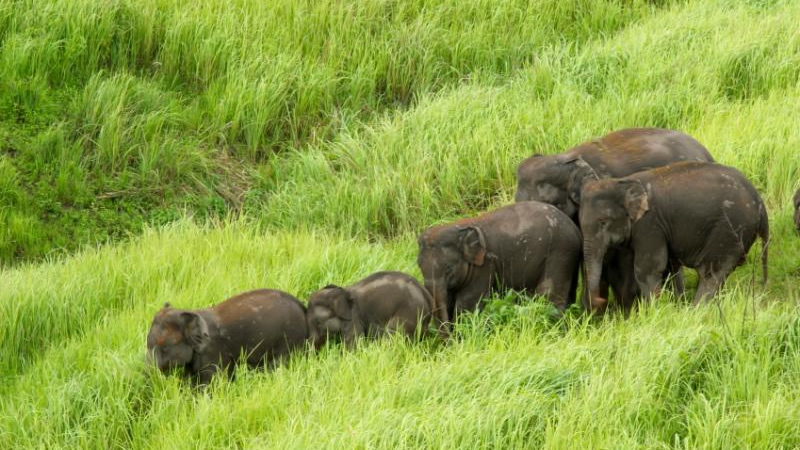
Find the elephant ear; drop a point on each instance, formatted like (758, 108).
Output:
(473, 245)
(195, 329)
(635, 200)
(342, 302)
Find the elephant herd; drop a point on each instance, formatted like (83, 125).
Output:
(626, 211)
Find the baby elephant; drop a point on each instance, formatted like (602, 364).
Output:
(382, 303)
(265, 325)
(797, 210)
(525, 246)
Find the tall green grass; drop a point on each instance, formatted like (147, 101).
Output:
(157, 105)
(456, 152)
(668, 376)
(337, 131)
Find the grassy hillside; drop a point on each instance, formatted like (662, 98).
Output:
(309, 142)
(123, 112)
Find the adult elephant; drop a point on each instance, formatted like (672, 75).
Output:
(704, 215)
(527, 246)
(558, 180)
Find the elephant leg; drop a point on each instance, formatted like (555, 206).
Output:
(465, 303)
(399, 325)
(407, 327)
(707, 288)
(711, 280)
(619, 266)
(204, 369)
(351, 332)
(377, 331)
(468, 298)
(558, 280)
(675, 276)
(546, 288)
(650, 261)
(349, 341)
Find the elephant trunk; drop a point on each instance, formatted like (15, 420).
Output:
(438, 290)
(316, 338)
(593, 258)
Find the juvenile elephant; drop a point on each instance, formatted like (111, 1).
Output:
(525, 246)
(265, 325)
(704, 215)
(797, 210)
(558, 180)
(382, 303)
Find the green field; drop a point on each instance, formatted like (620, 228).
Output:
(182, 151)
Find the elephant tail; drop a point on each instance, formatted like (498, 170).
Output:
(763, 233)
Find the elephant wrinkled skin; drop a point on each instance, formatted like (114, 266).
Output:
(703, 215)
(381, 303)
(265, 325)
(528, 246)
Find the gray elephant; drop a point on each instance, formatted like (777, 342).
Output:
(528, 246)
(704, 215)
(558, 180)
(381, 303)
(265, 325)
(797, 210)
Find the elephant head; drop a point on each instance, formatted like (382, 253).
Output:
(556, 180)
(446, 257)
(175, 336)
(608, 211)
(797, 210)
(330, 313)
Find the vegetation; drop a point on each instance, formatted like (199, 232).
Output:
(290, 145)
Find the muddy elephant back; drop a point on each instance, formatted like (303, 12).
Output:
(291, 319)
(629, 151)
(539, 217)
(271, 320)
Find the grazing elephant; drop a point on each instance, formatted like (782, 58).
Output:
(382, 303)
(703, 215)
(524, 246)
(265, 325)
(797, 210)
(558, 180)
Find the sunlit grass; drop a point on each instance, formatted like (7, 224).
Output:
(340, 130)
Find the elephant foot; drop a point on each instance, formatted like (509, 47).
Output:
(599, 305)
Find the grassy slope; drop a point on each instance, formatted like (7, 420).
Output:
(342, 204)
(119, 113)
